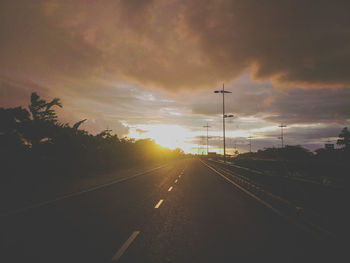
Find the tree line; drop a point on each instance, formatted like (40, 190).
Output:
(297, 152)
(324, 165)
(34, 142)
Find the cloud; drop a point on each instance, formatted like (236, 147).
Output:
(15, 92)
(154, 61)
(310, 106)
(278, 104)
(291, 41)
(95, 41)
(141, 131)
(310, 136)
(96, 126)
(176, 44)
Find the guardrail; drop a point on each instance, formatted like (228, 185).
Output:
(288, 177)
(309, 218)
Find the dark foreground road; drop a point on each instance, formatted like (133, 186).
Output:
(202, 218)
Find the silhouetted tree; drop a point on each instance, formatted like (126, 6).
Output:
(12, 126)
(37, 143)
(286, 153)
(77, 124)
(42, 110)
(44, 120)
(344, 138)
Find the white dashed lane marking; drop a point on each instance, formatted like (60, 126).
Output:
(159, 203)
(125, 246)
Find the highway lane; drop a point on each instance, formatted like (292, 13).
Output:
(201, 218)
(208, 220)
(85, 228)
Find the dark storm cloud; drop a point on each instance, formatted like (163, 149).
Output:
(275, 104)
(296, 41)
(304, 134)
(174, 44)
(81, 51)
(247, 98)
(310, 106)
(16, 92)
(89, 41)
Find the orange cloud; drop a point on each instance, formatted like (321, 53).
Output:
(176, 44)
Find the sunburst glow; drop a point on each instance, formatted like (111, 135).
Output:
(170, 136)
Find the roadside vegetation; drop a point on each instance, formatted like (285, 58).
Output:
(33, 142)
(326, 166)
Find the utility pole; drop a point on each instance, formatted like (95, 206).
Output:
(224, 116)
(198, 147)
(207, 126)
(202, 144)
(235, 147)
(282, 126)
(250, 143)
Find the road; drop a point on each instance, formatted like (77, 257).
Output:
(201, 218)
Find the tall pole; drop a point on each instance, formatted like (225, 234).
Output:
(201, 145)
(282, 126)
(250, 143)
(207, 126)
(202, 139)
(198, 147)
(223, 119)
(223, 91)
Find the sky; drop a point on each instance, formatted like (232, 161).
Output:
(148, 69)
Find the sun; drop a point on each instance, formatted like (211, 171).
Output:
(169, 136)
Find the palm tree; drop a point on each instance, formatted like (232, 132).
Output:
(44, 119)
(42, 110)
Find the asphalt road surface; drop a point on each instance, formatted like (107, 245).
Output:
(183, 212)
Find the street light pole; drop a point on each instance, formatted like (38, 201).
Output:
(250, 143)
(282, 126)
(224, 116)
(202, 148)
(223, 119)
(207, 126)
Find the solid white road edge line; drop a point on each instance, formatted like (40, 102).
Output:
(124, 247)
(159, 203)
